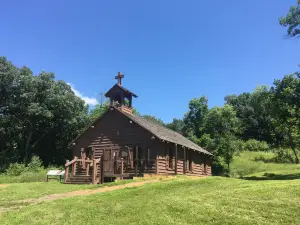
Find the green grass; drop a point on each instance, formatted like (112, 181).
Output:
(22, 191)
(213, 200)
(245, 165)
(269, 193)
(23, 178)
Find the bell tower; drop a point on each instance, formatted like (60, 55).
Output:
(119, 96)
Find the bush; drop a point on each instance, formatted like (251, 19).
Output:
(284, 155)
(253, 145)
(31, 177)
(35, 165)
(20, 173)
(15, 169)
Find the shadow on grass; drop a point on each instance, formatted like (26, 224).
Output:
(272, 176)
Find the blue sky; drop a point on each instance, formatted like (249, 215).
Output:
(170, 51)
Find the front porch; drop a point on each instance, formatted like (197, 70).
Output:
(98, 171)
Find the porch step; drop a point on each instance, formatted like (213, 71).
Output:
(79, 179)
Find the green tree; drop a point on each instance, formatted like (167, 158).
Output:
(286, 111)
(223, 127)
(38, 115)
(254, 111)
(154, 119)
(98, 111)
(176, 125)
(292, 21)
(194, 118)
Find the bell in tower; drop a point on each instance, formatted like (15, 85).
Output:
(119, 96)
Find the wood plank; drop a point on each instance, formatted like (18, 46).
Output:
(176, 159)
(184, 160)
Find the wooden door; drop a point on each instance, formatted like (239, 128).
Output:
(108, 161)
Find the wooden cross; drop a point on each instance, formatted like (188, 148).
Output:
(119, 77)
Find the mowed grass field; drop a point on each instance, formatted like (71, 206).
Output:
(255, 199)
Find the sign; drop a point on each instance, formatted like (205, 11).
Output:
(53, 172)
(57, 173)
(62, 173)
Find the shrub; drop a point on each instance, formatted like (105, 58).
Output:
(35, 165)
(284, 155)
(20, 173)
(15, 169)
(31, 177)
(253, 145)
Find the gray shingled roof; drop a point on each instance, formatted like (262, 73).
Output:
(164, 133)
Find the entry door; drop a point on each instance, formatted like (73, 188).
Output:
(108, 161)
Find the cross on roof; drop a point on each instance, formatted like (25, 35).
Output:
(119, 77)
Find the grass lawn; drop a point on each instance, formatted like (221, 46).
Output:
(21, 191)
(248, 163)
(213, 200)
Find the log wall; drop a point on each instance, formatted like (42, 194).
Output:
(114, 131)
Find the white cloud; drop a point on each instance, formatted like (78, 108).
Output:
(88, 100)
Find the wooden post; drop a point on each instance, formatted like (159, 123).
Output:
(74, 168)
(136, 159)
(101, 170)
(87, 169)
(184, 161)
(148, 159)
(66, 172)
(156, 165)
(176, 159)
(94, 171)
(122, 165)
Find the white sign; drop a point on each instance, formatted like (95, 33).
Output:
(62, 173)
(53, 172)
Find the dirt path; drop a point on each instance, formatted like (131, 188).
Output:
(53, 197)
(4, 185)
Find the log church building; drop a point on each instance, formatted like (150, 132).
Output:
(122, 145)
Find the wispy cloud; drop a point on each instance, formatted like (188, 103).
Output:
(88, 100)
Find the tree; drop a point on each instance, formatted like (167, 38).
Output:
(254, 111)
(222, 121)
(286, 111)
(222, 126)
(292, 21)
(176, 125)
(154, 119)
(194, 118)
(98, 111)
(227, 146)
(38, 115)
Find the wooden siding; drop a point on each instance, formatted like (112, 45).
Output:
(114, 131)
(199, 167)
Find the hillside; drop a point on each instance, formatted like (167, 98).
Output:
(213, 200)
(255, 164)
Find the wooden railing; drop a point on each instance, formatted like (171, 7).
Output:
(98, 168)
(90, 165)
(123, 168)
